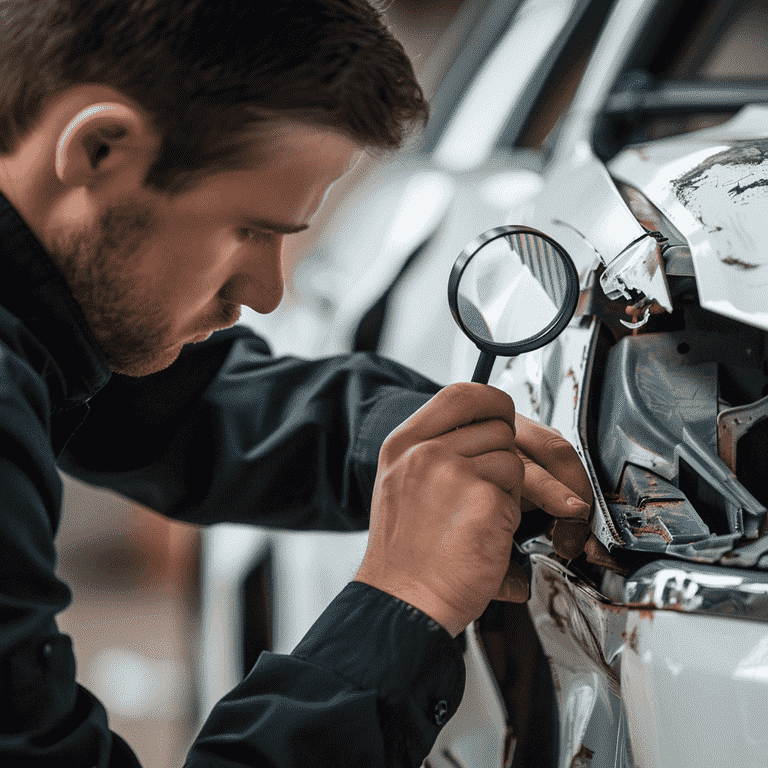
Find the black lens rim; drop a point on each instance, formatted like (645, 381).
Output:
(558, 323)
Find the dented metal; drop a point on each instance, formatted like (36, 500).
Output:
(638, 273)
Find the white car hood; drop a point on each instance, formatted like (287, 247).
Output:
(713, 186)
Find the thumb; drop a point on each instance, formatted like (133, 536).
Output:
(515, 588)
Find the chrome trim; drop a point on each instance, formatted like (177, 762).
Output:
(671, 586)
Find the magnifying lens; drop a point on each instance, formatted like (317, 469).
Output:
(512, 290)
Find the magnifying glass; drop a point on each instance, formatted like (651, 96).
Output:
(512, 290)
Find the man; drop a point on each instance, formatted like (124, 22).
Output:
(153, 157)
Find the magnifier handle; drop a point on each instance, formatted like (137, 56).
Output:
(483, 368)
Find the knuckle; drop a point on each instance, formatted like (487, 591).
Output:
(499, 431)
(420, 458)
(459, 392)
(558, 448)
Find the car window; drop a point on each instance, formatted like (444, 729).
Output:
(561, 79)
(484, 22)
(500, 87)
(696, 65)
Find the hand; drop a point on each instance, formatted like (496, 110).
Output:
(446, 505)
(553, 474)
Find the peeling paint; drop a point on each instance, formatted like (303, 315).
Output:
(749, 152)
(739, 190)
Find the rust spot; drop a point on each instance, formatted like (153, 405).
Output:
(583, 758)
(532, 396)
(655, 529)
(583, 304)
(615, 498)
(639, 152)
(572, 375)
(631, 641)
(646, 614)
(731, 261)
(554, 591)
(578, 627)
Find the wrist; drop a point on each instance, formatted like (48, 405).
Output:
(419, 597)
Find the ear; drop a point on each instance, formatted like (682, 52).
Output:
(101, 140)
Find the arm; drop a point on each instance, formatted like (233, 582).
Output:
(229, 433)
(372, 664)
(372, 683)
(45, 717)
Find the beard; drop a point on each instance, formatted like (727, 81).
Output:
(127, 318)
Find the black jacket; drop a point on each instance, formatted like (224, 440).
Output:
(228, 433)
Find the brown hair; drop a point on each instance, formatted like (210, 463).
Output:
(212, 73)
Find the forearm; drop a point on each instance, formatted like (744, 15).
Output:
(247, 437)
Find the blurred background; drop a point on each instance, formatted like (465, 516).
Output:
(136, 576)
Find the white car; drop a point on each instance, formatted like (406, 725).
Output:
(634, 133)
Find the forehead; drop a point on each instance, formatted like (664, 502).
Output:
(286, 169)
(299, 145)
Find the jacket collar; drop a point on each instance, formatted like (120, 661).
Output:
(33, 289)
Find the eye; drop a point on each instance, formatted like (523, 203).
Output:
(255, 235)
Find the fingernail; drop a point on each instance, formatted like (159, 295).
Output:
(575, 501)
(574, 533)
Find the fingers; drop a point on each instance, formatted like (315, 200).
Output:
(548, 493)
(515, 588)
(478, 438)
(570, 537)
(598, 553)
(503, 469)
(456, 405)
(571, 530)
(553, 453)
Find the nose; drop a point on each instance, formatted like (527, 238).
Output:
(258, 280)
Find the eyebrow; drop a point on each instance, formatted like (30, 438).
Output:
(276, 226)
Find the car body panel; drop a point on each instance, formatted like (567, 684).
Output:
(710, 185)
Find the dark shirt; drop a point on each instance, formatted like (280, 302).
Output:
(228, 433)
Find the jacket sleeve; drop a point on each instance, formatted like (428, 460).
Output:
(45, 717)
(230, 433)
(371, 684)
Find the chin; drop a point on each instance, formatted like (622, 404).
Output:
(149, 364)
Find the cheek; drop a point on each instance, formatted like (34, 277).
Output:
(190, 262)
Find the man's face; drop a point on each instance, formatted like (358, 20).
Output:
(158, 272)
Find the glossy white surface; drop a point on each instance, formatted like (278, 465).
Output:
(498, 86)
(723, 215)
(696, 690)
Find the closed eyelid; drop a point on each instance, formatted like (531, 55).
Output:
(275, 227)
